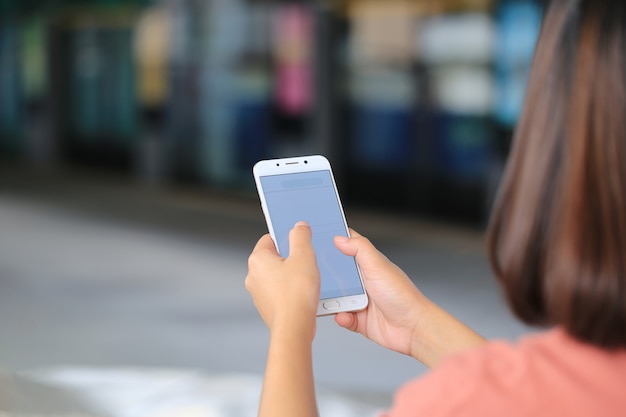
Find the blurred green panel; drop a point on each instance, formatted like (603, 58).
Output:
(10, 89)
(7, 6)
(33, 57)
(94, 77)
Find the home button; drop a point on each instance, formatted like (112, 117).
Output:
(331, 305)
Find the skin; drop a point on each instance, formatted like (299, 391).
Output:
(286, 293)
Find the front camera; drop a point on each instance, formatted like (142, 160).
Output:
(306, 162)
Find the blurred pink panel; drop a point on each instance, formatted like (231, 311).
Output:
(293, 39)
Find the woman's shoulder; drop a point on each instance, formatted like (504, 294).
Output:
(544, 374)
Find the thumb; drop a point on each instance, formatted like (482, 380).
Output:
(366, 255)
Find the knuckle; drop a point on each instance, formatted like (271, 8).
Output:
(362, 240)
(252, 260)
(253, 257)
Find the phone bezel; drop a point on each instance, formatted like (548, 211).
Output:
(299, 164)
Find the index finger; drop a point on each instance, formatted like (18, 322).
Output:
(300, 240)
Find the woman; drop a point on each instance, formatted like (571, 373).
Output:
(556, 242)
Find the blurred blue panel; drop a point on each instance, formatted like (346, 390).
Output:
(519, 23)
(382, 138)
(252, 132)
(461, 146)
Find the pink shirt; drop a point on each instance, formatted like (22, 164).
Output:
(548, 374)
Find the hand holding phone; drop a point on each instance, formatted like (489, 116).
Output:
(285, 292)
(303, 188)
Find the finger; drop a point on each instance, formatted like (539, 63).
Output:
(362, 249)
(356, 245)
(347, 320)
(300, 240)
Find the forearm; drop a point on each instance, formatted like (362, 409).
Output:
(439, 335)
(288, 386)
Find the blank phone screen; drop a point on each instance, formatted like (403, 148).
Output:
(310, 196)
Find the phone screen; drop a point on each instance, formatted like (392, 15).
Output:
(311, 196)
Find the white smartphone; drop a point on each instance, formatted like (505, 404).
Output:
(303, 188)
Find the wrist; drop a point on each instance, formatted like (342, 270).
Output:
(420, 337)
(438, 335)
(293, 326)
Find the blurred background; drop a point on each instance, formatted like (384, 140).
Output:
(128, 130)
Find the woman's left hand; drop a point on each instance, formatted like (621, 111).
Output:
(286, 290)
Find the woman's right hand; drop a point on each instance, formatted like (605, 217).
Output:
(399, 317)
(395, 304)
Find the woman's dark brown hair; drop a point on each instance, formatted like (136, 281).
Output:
(557, 235)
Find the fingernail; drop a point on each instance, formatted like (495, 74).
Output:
(301, 224)
(341, 239)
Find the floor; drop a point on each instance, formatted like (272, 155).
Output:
(102, 271)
